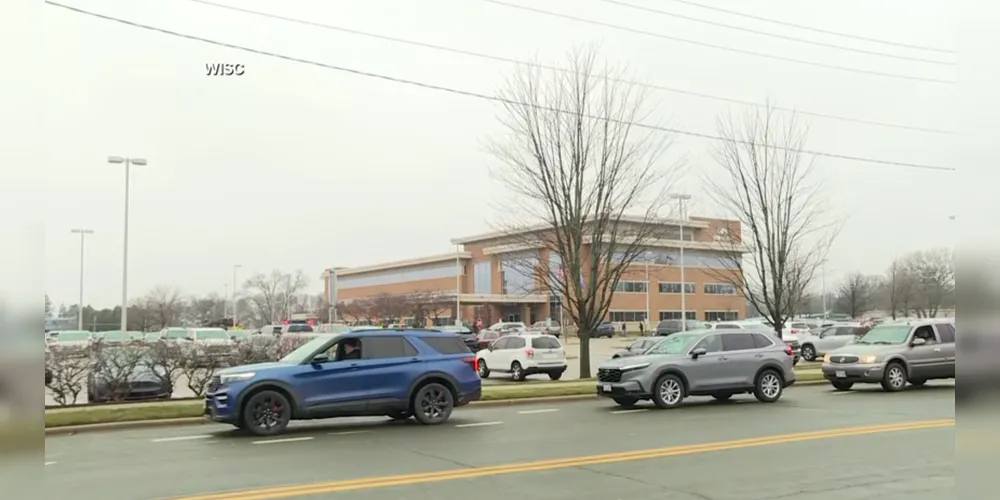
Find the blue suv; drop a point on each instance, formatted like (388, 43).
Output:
(422, 374)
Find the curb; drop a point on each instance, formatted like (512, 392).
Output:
(177, 422)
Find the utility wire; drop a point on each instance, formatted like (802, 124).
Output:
(810, 28)
(478, 95)
(718, 47)
(775, 35)
(563, 70)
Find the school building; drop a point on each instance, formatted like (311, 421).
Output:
(487, 278)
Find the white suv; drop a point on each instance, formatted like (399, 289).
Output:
(523, 355)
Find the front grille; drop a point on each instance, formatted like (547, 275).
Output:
(215, 383)
(609, 375)
(843, 360)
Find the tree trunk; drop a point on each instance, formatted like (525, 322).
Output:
(584, 354)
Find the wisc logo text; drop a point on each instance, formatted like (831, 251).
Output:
(223, 69)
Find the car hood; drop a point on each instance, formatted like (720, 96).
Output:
(635, 360)
(859, 349)
(251, 368)
(625, 353)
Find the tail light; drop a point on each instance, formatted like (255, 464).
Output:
(473, 361)
(795, 330)
(529, 353)
(788, 350)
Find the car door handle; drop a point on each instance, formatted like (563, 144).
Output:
(723, 358)
(414, 360)
(758, 355)
(937, 349)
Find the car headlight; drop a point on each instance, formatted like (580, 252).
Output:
(869, 359)
(637, 366)
(826, 358)
(236, 377)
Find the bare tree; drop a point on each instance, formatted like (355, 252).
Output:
(897, 289)
(388, 307)
(933, 274)
(271, 294)
(201, 310)
(766, 184)
(855, 295)
(586, 184)
(165, 306)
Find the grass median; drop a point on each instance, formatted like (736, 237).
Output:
(164, 410)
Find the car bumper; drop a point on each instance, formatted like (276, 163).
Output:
(469, 396)
(220, 407)
(556, 367)
(630, 388)
(853, 373)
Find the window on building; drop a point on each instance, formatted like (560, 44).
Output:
(631, 286)
(481, 274)
(666, 315)
(720, 289)
(722, 316)
(627, 316)
(676, 287)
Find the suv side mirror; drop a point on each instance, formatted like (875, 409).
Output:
(918, 341)
(320, 358)
(701, 351)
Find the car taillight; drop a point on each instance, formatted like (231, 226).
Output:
(788, 350)
(795, 330)
(529, 353)
(472, 360)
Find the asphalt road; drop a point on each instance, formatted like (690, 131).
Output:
(546, 451)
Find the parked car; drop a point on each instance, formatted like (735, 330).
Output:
(605, 329)
(522, 355)
(422, 374)
(296, 328)
(118, 337)
(215, 342)
(129, 379)
(701, 363)
(547, 327)
(274, 330)
(636, 348)
(73, 341)
(174, 333)
(485, 338)
(465, 333)
(894, 354)
(816, 344)
(671, 326)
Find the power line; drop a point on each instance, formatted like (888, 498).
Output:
(810, 28)
(564, 70)
(717, 47)
(774, 35)
(472, 94)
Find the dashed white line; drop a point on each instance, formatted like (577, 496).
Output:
(180, 438)
(533, 412)
(348, 433)
(637, 410)
(51, 463)
(479, 424)
(285, 440)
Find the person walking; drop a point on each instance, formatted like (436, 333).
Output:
(642, 329)
(624, 329)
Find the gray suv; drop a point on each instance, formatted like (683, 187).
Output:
(893, 354)
(701, 363)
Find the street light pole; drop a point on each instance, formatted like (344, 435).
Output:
(681, 198)
(646, 259)
(235, 267)
(128, 164)
(79, 308)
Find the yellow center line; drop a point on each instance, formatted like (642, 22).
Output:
(275, 492)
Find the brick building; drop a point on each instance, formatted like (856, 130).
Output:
(489, 285)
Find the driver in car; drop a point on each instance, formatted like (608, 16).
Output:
(352, 349)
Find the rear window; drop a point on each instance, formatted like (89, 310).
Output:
(545, 343)
(446, 345)
(761, 341)
(727, 326)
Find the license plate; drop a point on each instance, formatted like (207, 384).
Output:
(841, 374)
(606, 387)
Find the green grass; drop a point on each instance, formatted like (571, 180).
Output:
(162, 410)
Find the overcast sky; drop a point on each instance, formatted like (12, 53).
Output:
(292, 166)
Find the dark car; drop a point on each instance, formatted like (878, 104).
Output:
(671, 326)
(120, 375)
(462, 331)
(485, 338)
(636, 348)
(417, 373)
(605, 329)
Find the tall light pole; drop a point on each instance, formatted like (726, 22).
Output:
(646, 259)
(79, 308)
(235, 267)
(128, 164)
(681, 198)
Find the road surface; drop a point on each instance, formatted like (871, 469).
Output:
(574, 450)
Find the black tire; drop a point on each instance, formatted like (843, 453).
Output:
(555, 375)
(517, 372)
(626, 401)
(769, 386)
(841, 386)
(795, 361)
(239, 424)
(722, 396)
(668, 391)
(400, 416)
(266, 413)
(918, 382)
(808, 353)
(894, 378)
(484, 371)
(432, 404)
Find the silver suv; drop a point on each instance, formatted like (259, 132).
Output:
(893, 354)
(701, 363)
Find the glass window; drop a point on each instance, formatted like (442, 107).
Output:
(676, 287)
(515, 343)
(501, 343)
(627, 316)
(946, 332)
(737, 342)
(722, 315)
(761, 341)
(678, 343)
(846, 330)
(545, 343)
(305, 351)
(886, 334)
(720, 289)
(445, 345)
(711, 343)
(631, 286)
(386, 347)
(926, 333)
(481, 275)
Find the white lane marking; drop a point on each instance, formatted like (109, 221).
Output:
(348, 433)
(51, 463)
(533, 412)
(180, 438)
(286, 440)
(479, 424)
(637, 410)
(838, 393)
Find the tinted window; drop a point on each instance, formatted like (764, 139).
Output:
(445, 345)
(501, 343)
(712, 343)
(846, 330)
(515, 343)
(946, 332)
(760, 341)
(737, 342)
(385, 347)
(545, 343)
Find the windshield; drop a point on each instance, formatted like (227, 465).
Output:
(211, 333)
(886, 334)
(176, 333)
(73, 336)
(678, 343)
(301, 354)
(114, 335)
